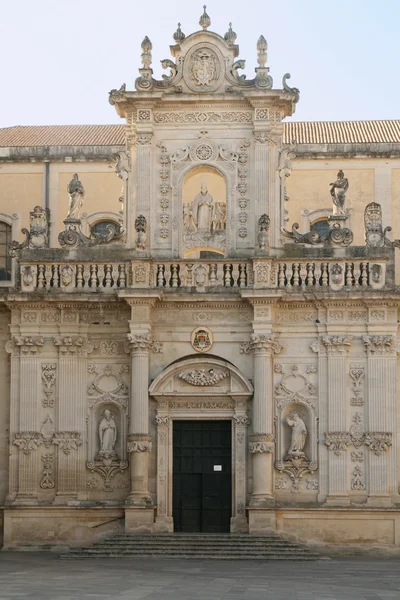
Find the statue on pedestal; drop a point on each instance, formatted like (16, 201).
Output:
(299, 436)
(203, 207)
(338, 193)
(76, 195)
(107, 434)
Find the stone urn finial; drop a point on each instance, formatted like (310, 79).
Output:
(230, 36)
(262, 48)
(147, 47)
(205, 20)
(179, 36)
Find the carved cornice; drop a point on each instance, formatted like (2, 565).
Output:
(380, 345)
(260, 344)
(143, 343)
(73, 346)
(262, 443)
(24, 345)
(139, 442)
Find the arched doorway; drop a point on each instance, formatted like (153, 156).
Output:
(209, 396)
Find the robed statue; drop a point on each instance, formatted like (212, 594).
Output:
(299, 435)
(107, 434)
(203, 207)
(76, 195)
(338, 193)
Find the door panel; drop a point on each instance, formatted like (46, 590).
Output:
(202, 496)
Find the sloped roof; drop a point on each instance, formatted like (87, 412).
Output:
(315, 132)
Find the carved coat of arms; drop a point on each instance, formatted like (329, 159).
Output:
(204, 68)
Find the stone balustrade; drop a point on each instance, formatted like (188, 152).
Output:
(199, 275)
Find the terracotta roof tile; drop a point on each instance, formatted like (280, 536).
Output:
(317, 132)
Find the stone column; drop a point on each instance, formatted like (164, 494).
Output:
(262, 440)
(240, 424)
(71, 417)
(28, 437)
(337, 438)
(381, 418)
(139, 440)
(164, 521)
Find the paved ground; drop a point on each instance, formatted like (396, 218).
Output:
(41, 576)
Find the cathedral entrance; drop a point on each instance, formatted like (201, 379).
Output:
(202, 476)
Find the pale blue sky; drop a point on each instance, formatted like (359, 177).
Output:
(61, 57)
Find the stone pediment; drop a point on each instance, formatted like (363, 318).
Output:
(201, 376)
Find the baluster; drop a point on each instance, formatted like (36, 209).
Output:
(40, 280)
(122, 276)
(356, 273)
(160, 276)
(167, 275)
(174, 282)
(281, 275)
(100, 276)
(56, 276)
(364, 274)
(235, 274)
(86, 276)
(107, 281)
(303, 274)
(114, 275)
(183, 273)
(79, 278)
(289, 275)
(219, 273)
(349, 275)
(296, 278)
(227, 275)
(317, 274)
(49, 276)
(310, 274)
(189, 275)
(324, 267)
(93, 276)
(213, 275)
(242, 275)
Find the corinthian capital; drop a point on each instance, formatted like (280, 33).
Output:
(336, 345)
(140, 343)
(24, 345)
(139, 442)
(73, 346)
(261, 343)
(380, 345)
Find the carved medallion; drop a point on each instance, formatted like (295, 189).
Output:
(202, 339)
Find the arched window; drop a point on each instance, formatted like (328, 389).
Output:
(322, 227)
(5, 259)
(101, 227)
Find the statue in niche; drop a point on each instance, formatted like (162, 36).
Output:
(107, 435)
(203, 208)
(219, 216)
(188, 220)
(299, 436)
(338, 193)
(76, 195)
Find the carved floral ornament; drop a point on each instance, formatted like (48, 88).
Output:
(203, 377)
(380, 345)
(24, 345)
(143, 343)
(138, 442)
(294, 387)
(29, 441)
(262, 443)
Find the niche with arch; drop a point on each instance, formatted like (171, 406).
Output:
(204, 206)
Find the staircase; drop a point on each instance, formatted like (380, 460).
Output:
(199, 546)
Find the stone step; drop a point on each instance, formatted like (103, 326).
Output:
(195, 546)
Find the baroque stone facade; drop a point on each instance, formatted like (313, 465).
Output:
(203, 305)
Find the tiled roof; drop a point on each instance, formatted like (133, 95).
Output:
(343, 132)
(317, 132)
(63, 135)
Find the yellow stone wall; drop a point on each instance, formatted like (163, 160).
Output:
(21, 188)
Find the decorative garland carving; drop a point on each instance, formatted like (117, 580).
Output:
(47, 480)
(139, 442)
(378, 442)
(380, 345)
(261, 443)
(49, 382)
(296, 468)
(337, 441)
(202, 377)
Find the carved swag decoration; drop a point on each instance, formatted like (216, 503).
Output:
(201, 377)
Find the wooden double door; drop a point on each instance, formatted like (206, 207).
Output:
(202, 476)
